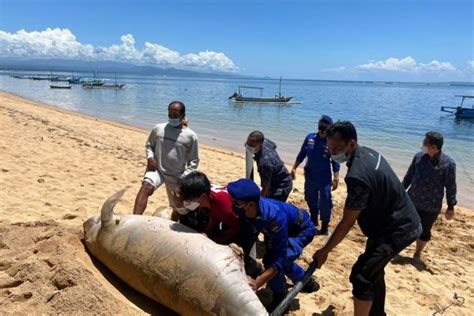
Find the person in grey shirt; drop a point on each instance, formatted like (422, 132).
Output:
(172, 153)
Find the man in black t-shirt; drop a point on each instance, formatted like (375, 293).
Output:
(379, 203)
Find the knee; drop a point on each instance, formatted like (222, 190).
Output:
(146, 189)
(362, 288)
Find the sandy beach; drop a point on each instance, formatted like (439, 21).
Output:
(57, 168)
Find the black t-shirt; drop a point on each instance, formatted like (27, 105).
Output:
(372, 187)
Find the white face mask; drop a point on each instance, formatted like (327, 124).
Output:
(182, 211)
(250, 149)
(424, 149)
(191, 205)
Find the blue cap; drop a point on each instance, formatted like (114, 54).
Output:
(244, 190)
(326, 118)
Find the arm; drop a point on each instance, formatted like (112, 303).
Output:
(265, 172)
(410, 173)
(299, 159)
(277, 254)
(211, 228)
(335, 169)
(348, 220)
(193, 158)
(150, 150)
(358, 195)
(450, 184)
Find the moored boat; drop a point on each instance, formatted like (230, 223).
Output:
(238, 97)
(59, 87)
(461, 112)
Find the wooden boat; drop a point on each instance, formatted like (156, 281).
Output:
(460, 112)
(116, 86)
(59, 87)
(238, 97)
(93, 83)
(104, 85)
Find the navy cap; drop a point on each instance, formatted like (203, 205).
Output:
(326, 118)
(244, 190)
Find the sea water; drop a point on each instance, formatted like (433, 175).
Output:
(390, 117)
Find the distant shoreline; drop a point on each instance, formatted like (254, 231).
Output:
(178, 73)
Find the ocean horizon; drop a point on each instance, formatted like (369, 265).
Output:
(391, 117)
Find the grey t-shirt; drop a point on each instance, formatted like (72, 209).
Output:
(175, 150)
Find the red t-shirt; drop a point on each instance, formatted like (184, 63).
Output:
(221, 209)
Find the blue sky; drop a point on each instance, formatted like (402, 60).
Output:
(384, 40)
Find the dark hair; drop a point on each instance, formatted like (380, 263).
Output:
(435, 138)
(344, 128)
(193, 185)
(257, 136)
(182, 107)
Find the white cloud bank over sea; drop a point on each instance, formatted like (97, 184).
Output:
(407, 64)
(407, 68)
(62, 44)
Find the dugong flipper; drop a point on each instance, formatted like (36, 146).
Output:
(171, 263)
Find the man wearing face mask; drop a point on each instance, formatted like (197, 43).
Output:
(286, 228)
(385, 213)
(317, 174)
(200, 197)
(275, 179)
(172, 152)
(430, 173)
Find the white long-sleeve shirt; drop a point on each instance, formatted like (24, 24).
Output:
(175, 150)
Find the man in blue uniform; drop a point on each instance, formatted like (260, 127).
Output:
(287, 231)
(275, 179)
(429, 175)
(385, 213)
(317, 174)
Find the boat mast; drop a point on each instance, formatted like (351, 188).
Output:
(279, 90)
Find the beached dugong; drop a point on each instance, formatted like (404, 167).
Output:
(171, 263)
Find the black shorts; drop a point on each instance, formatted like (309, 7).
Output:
(367, 275)
(427, 221)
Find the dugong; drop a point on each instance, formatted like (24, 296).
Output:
(171, 263)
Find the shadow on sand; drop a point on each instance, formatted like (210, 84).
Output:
(418, 264)
(329, 311)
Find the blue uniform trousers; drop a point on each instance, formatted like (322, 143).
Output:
(295, 248)
(319, 199)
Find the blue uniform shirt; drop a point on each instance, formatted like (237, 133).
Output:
(318, 163)
(278, 221)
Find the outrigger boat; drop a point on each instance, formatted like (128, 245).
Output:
(460, 111)
(104, 85)
(59, 87)
(238, 97)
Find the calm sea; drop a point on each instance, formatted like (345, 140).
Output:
(390, 117)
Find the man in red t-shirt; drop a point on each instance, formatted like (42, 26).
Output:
(199, 197)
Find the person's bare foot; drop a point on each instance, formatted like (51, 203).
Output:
(418, 263)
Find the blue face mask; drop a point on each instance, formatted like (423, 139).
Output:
(174, 122)
(339, 158)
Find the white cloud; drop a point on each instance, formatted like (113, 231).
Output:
(337, 69)
(61, 43)
(407, 65)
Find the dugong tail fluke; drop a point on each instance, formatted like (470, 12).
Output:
(107, 211)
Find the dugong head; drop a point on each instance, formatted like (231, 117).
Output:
(92, 225)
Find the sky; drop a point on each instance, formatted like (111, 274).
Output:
(395, 40)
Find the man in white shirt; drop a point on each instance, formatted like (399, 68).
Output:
(172, 152)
